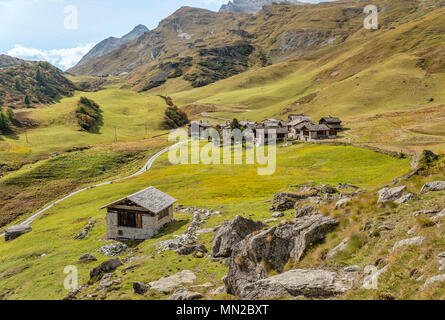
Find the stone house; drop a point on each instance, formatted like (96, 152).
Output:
(334, 125)
(197, 128)
(139, 216)
(307, 131)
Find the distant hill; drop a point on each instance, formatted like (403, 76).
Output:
(112, 43)
(8, 61)
(251, 6)
(40, 81)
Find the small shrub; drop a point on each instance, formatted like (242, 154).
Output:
(89, 115)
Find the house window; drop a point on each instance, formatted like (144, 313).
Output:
(129, 220)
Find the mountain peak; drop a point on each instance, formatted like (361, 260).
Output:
(252, 6)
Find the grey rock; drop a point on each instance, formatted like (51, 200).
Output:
(304, 210)
(231, 233)
(185, 294)
(354, 268)
(251, 6)
(106, 282)
(86, 230)
(439, 215)
(87, 257)
(371, 281)
(432, 280)
(272, 249)
(187, 250)
(113, 249)
(139, 287)
(105, 267)
(425, 212)
(433, 186)
(284, 201)
(14, 232)
(342, 202)
(167, 284)
(340, 247)
(387, 194)
(405, 198)
(277, 215)
(409, 242)
(219, 290)
(309, 283)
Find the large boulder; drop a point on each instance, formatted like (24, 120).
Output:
(417, 241)
(16, 231)
(113, 249)
(433, 186)
(105, 267)
(167, 284)
(86, 230)
(304, 210)
(309, 283)
(387, 194)
(259, 253)
(139, 287)
(231, 233)
(283, 201)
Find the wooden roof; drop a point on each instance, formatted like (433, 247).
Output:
(150, 198)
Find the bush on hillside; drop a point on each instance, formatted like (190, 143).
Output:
(89, 115)
(174, 117)
(5, 122)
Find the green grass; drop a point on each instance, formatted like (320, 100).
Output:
(26, 274)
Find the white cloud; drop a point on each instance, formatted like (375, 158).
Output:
(63, 58)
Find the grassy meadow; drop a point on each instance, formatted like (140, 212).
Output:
(32, 265)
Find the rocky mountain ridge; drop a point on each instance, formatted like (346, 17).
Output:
(251, 6)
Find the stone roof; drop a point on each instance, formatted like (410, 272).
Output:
(331, 119)
(151, 199)
(313, 127)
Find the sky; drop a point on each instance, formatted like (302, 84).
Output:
(63, 31)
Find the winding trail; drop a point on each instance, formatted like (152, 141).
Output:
(144, 169)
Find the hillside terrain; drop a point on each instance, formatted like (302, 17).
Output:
(112, 43)
(326, 201)
(37, 83)
(251, 6)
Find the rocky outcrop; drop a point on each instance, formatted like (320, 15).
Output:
(105, 267)
(185, 294)
(342, 202)
(304, 210)
(405, 198)
(284, 201)
(107, 282)
(309, 283)
(387, 194)
(251, 6)
(187, 250)
(231, 233)
(16, 231)
(167, 284)
(86, 230)
(433, 186)
(433, 280)
(408, 242)
(371, 281)
(267, 250)
(114, 249)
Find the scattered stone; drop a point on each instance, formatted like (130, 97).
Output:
(219, 290)
(433, 280)
(139, 287)
(425, 212)
(72, 295)
(439, 215)
(204, 285)
(231, 233)
(187, 250)
(409, 242)
(354, 268)
(105, 267)
(203, 231)
(342, 202)
(113, 249)
(309, 283)
(387, 194)
(167, 284)
(284, 201)
(137, 265)
(433, 186)
(340, 247)
(371, 281)
(106, 282)
(347, 186)
(271, 249)
(86, 230)
(407, 197)
(304, 210)
(87, 257)
(277, 215)
(16, 231)
(185, 294)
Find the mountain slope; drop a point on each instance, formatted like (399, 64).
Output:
(8, 61)
(41, 82)
(112, 43)
(251, 6)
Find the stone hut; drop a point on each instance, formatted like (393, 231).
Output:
(139, 216)
(334, 124)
